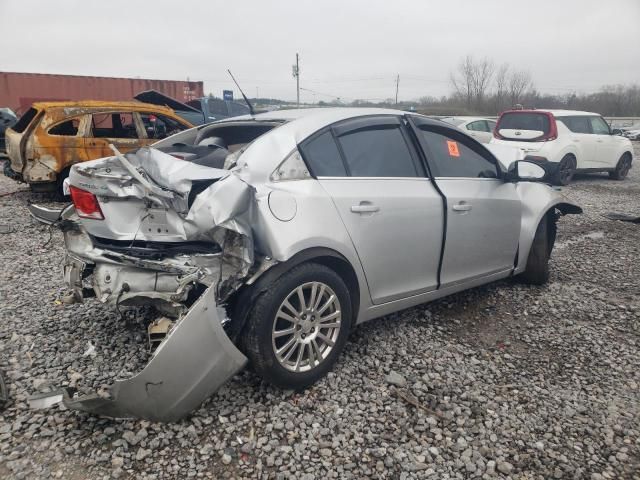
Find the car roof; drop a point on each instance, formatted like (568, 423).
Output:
(465, 118)
(556, 113)
(101, 104)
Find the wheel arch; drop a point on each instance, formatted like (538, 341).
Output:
(534, 212)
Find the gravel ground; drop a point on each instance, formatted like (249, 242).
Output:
(506, 380)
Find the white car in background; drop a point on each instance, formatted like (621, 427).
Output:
(566, 141)
(479, 128)
(632, 134)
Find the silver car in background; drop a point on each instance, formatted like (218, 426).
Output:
(267, 238)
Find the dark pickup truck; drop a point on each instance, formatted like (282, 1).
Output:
(198, 111)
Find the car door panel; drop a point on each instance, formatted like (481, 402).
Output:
(105, 130)
(396, 228)
(483, 212)
(391, 211)
(606, 147)
(483, 228)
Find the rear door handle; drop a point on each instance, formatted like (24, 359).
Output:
(462, 207)
(365, 207)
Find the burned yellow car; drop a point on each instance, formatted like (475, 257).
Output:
(52, 136)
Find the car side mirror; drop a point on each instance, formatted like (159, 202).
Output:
(616, 131)
(523, 170)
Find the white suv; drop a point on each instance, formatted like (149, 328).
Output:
(567, 141)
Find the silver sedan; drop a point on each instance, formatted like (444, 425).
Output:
(267, 238)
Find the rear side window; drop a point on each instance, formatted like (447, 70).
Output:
(217, 107)
(524, 121)
(239, 109)
(377, 151)
(25, 120)
(576, 124)
(478, 126)
(450, 158)
(66, 129)
(322, 156)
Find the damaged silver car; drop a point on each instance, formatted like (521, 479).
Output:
(266, 238)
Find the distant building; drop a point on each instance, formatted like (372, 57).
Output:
(19, 90)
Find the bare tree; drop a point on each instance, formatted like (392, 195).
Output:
(471, 80)
(519, 83)
(501, 82)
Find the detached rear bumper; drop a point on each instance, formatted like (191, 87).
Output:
(192, 363)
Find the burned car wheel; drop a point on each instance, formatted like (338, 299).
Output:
(298, 328)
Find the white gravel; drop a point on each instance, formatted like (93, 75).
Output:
(503, 381)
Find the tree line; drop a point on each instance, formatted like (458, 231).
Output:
(482, 87)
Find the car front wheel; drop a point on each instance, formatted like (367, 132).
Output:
(297, 329)
(622, 168)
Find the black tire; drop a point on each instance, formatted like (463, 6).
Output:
(622, 168)
(537, 270)
(565, 171)
(256, 339)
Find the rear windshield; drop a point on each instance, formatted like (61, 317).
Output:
(25, 120)
(524, 121)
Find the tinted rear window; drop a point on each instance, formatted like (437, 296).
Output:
(25, 120)
(524, 121)
(323, 156)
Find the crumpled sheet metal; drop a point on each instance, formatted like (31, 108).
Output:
(194, 361)
(168, 172)
(226, 204)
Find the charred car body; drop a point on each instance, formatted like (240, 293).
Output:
(269, 237)
(52, 136)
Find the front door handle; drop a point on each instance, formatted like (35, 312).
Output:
(462, 207)
(365, 207)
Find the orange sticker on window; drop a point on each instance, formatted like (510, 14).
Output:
(453, 148)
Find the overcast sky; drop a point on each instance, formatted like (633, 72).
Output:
(352, 49)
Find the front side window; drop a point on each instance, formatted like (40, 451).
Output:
(160, 126)
(113, 125)
(322, 155)
(377, 151)
(68, 128)
(448, 157)
(599, 126)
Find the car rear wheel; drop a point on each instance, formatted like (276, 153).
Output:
(537, 270)
(297, 329)
(622, 168)
(566, 170)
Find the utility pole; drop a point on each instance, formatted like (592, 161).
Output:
(397, 85)
(296, 74)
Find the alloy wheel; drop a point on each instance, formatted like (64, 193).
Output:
(306, 327)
